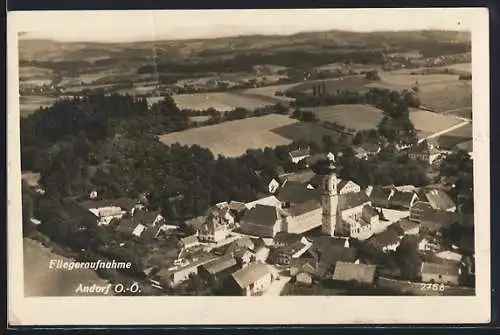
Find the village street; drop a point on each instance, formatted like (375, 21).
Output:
(277, 286)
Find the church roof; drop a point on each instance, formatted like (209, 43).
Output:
(296, 192)
(351, 200)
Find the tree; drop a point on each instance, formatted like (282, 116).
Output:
(408, 259)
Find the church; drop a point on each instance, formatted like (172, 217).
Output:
(347, 210)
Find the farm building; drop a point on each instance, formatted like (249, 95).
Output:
(424, 152)
(107, 210)
(298, 155)
(218, 270)
(437, 199)
(178, 275)
(430, 218)
(251, 280)
(263, 221)
(388, 240)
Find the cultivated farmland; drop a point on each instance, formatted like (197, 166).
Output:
(356, 117)
(332, 85)
(234, 138)
(427, 123)
(456, 137)
(221, 101)
(441, 98)
(400, 81)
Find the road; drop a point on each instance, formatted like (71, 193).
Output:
(277, 286)
(444, 131)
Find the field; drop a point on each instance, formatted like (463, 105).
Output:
(356, 117)
(427, 123)
(30, 103)
(441, 98)
(461, 112)
(306, 131)
(269, 91)
(461, 67)
(233, 138)
(332, 85)
(40, 281)
(461, 137)
(221, 101)
(400, 80)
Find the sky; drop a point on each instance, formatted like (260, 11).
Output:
(120, 26)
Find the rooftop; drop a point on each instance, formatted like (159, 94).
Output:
(220, 264)
(261, 215)
(123, 203)
(436, 197)
(145, 217)
(296, 192)
(387, 237)
(352, 200)
(250, 274)
(303, 207)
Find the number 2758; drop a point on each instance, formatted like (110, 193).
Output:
(432, 287)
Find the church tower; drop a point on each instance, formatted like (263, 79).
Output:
(329, 201)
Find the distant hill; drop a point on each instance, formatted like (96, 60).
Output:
(50, 50)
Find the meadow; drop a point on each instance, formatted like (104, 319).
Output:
(427, 123)
(221, 101)
(461, 137)
(234, 138)
(356, 117)
(403, 80)
(442, 98)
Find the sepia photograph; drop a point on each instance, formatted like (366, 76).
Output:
(208, 155)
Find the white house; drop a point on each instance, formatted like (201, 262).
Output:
(253, 279)
(299, 154)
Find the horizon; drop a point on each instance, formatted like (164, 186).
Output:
(175, 25)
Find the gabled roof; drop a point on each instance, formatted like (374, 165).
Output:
(437, 198)
(292, 249)
(297, 209)
(219, 264)
(380, 195)
(145, 217)
(362, 273)
(250, 274)
(369, 212)
(295, 192)
(192, 239)
(261, 215)
(401, 199)
(407, 224)
(300, 153)
(351, 200)
(385, 238)
(267, 201)
(123, 203)
(431, 218)
(300, 177)
(420, 148)
(236, 206)
(442, 268)
(126, 226)
(245, 242)
(286, 238)
(324, 242)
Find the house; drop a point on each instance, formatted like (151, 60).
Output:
(388, 240)
(407, 227)
(218, 270)
(305, 274)
(379, 196)
(129, 227)
(252, 280)
(245, 242)
(327, 253)
(366, 150)
(262, 221)
(267, 201)
(441, 273)
(189, 242)
(218, 224)
(403, 201)
(431, 219)
(314, 159)
(437, 199)
(261, 250)
(284, 255)
(423, 152)
(273, 186)
(283, 239)
(351, 272)
(176, 275)
(297, 155)
(107, 210)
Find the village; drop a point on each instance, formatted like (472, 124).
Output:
(311, 234)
